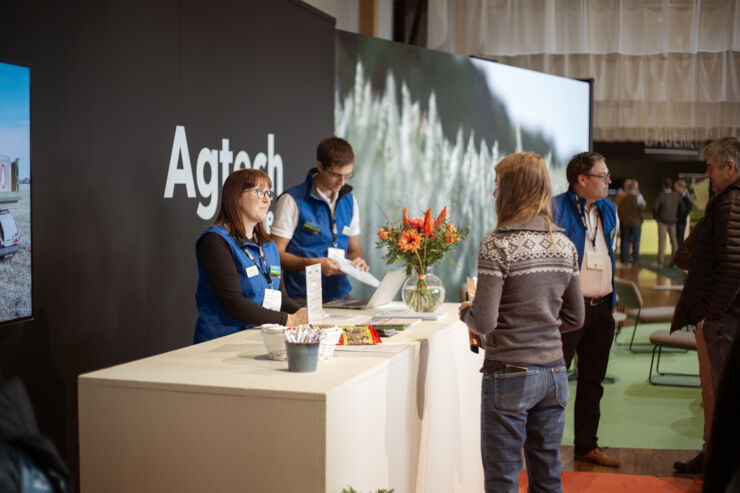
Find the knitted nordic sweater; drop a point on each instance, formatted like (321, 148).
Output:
(528, 291)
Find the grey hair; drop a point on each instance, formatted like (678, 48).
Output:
(723, 149)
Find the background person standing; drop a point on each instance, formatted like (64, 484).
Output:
(666, 211)
(630, 220)
(680, 188)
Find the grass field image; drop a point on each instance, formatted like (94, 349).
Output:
(421, 144)
(15, 273)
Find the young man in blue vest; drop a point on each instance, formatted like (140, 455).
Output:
(318, 221)
(590, 221)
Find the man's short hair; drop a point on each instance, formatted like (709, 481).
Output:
(667, 182)
(582, 164)
(723, 149)
(334, 151)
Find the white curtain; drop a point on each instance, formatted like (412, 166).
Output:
(662, 69)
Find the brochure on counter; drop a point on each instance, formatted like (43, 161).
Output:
(419, 315)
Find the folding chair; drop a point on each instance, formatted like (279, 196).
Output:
(629, 296)
(679, 339)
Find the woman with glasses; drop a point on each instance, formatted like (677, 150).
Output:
(239, 275)
(528, 292)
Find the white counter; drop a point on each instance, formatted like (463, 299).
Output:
(220, 416)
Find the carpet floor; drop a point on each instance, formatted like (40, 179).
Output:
(636, 414)
(596, 482)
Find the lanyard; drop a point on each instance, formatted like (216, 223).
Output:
(333, 230)
(582, 214)
(262, 269)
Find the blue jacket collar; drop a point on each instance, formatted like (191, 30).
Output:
(309, 183)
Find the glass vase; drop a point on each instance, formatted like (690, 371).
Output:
(423, 292)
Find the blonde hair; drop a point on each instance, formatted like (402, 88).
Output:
(523, 190)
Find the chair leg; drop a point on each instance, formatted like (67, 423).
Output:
(661, 374)
(652, 359)
(640, 347)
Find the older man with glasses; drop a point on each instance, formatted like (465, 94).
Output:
(318, 221)
(590, 221)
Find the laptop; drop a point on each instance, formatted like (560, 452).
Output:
(384, 293)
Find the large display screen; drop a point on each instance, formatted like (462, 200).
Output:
(428, 127)
(15, 193)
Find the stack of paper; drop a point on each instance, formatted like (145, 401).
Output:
(407, 315)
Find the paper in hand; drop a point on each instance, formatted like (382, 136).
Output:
(352, 271)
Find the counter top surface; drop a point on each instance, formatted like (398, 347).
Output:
(238, 363)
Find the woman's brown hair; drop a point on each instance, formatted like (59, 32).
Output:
(523, 189)
(229, 215)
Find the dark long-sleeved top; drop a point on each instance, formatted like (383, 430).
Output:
(217, 263)
(528, 291)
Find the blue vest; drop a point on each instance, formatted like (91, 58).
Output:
(565, 213)
(213, 320)
(313, 237)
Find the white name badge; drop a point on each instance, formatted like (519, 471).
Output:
(335, 253)
(273, 300)
(346, 231)
(596, 262)
(252, 271)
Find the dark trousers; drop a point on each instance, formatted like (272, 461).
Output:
(592, 344)
(680, 231)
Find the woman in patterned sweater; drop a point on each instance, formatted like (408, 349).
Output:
(528, 292)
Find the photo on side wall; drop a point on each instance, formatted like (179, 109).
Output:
(15, 193)
(428, 127)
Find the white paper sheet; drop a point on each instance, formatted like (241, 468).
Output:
(352, 271)
(373, 348)
(313, 293)
(421, 315)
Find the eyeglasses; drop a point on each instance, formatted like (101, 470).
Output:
(338, 176)
(603, 176)
(262, 193)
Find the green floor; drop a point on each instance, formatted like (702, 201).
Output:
(636, 414)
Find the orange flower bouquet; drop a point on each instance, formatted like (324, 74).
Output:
(419, 242)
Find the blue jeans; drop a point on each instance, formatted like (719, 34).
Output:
(527, 410)
(631, 237)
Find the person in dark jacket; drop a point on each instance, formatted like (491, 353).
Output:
(711, 290)
(29, 462)
(722, 471)
(682, 260)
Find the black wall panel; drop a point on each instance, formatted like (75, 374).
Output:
(114, 264)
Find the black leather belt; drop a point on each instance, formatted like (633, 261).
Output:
(596, 299)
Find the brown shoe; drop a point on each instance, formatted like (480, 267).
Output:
(597, 456)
